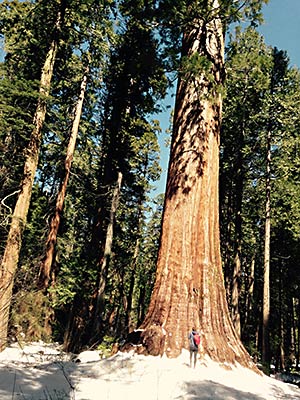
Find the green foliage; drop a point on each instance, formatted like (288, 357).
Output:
(106, 346)
(31, 317)
(261, 94)
(195, 65)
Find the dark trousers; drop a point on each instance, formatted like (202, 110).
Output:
(193, 354)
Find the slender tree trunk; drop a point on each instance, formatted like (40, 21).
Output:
(281, 343)
(226, 241)
(235, 312)
(128, 320)
(292, 349)
(98, 311)
(298, 334)
(239, 187)
(249, 292)
(128, 324)
(189, 288)
(45, 271)
(133, 267)
(14, 239)
(141, 305)
(280, 363)
(266, 287)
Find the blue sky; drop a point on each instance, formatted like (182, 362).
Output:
(281, 29)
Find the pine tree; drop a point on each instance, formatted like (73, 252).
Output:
(12, 250)
(134, 81)
(261, 94)
(248, 69)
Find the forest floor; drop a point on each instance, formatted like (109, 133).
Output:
(42, 372)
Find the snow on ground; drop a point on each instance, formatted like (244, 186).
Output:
(42, 372)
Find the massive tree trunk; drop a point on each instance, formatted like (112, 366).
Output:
(45, 271)
(14, 239)
(189, 288)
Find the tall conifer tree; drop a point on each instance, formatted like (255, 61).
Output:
(14, 241)
(189, 289)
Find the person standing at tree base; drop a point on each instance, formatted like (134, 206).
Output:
(194, 340)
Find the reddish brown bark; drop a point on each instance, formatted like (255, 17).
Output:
(189, 288)
(14, 239)
(45, 270)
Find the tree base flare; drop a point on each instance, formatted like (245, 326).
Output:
(152, 341)
(148, 341)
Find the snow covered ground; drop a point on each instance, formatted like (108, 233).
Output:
(42, 372)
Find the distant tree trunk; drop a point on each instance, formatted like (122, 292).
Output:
(292, 347)
(227, 246)
(189, 288)
(104, 263)
(128, 319)
(14, 239)
(45, 271)
(74, 332)
(298, 335)
(132, 269)
(226, 209)
(235, 312)
(266, 283)
(280, 357)
(141, 305)
(249, 292)
(128, 324)
(279, 71)
(281, 340)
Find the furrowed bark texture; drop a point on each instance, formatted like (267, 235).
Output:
(189, 288)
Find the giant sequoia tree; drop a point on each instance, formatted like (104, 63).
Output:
(189, 287)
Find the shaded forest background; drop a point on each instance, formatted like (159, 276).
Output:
(88, 251)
